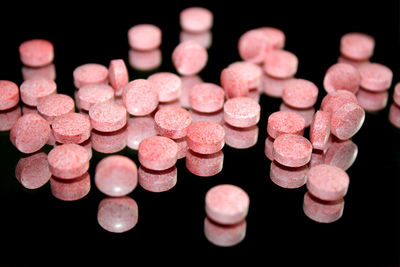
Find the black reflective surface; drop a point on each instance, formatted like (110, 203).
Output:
(34, 225)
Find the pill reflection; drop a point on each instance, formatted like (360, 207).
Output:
(354, 63)
(372, 101)
(269, 147)
(341, 154)
(394, 115)
(224, 235)
(33, 170)
(144, 60)
(273, 87)
(9, 117)
(204, 165)
(45, 72)
(202, 38)
(70, 189)
(138, 129)
(117, 214)
(322, 211)
(110, 142)
(157, 181)
(288, 177)
(240, 138)
(182, 147)
(187, 83)
(217, 117)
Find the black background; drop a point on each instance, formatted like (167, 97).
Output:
(34, 226)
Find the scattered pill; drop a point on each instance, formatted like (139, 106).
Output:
(91, 94)
(68, 161)
(280, 64)
(71, 128)
(285, 122)
(320, 130)
(342, 76)
(189, 58)
(372, 101)
(109, 142)
(145, 60)
(334, 100)
(158, 153)
(224, 235)
(241, 138)
(251, 73)
(241, 112)
(253, 45)
(33, 90)
(172, 122)
(234, 83)
(292, 150)
(300, 93)
(107, 116)
(140, 98)
(72, 189)
(9, 94)
(306, 113)
(33, 170)
(347, 120)
(375, 77)
(139, 128)
(322, 211)
(196, 19)
(288, 177)
(90, 73)
(357, 46)
(53, 106)
(144, 37)
(45, 72)
(157, 181)
(167, 85)
(204, 165)
(206, 97)
(36, 52)
(205, 137)
(341, 154)
(9, 117)
(118, 75)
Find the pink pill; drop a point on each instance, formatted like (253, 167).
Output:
(157, 181)
(394, 115)
(158, 153)
(90, 94)
(109, 142)
(355, 63)
(375, 77)
(240, 138)
(140, 97)
(45, 72)
(204, 165)
(241, 112)
(273, 87)
(189, 58)
(116, 175)
(196, 19)
(342, 76)
(217, 117)
(118, 75)
(396, 94)
(285, 122)
(107, 116)
(357, 46)
(205, 137)
(30, 133)
(53, 106)
(253, 45)
(306, 113)
(33, 90)
(224, 235)
(269, 148)
(172, 122)
(251, 73)
(36, 52)
(327, 182)
(334, 100)
(145, 60)
(280, 64)
(227, 204)
(117, 214)
(292, 150)
(167, 85)
(9, 94)
(372, 101)
(347, 120)
(139, 128)
(320, 130)
(234, 83)
(276, 37)
(90, 73)
(71, 128)
(322, 211)
(288, 177)
(202, 38)
(9, 117)
(144, 37)
(68, 161)
(187, 83)
(341, 154)
(206, 97)
(72, 189)
(300, 93)
(182, 147)
(33, 171)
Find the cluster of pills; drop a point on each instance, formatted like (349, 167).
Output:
(169, 116)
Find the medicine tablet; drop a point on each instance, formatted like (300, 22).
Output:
(253, 45)
(280, 64)
(292, 150)
(226, 204)
(157, 181)
(196, 19)
(90, 73)
(327, 182)
(140, 97)
(68, 161)
(9, 94)
(341, 154)
(285, 122)
(158, 153)
(342, 76)
(107, 116)
(116, 175)
(204, 165)
(322, 211)
(234, 83)
(372, 101)
(189, 58)
(109, 142)
(36, 52)
(53, 106)
(205, 137)
(224, 235)
(167, 85)
(241, 112)
(33, 171)
(118, 75)
(300, 93)
(172, 122)
(251, 72)
(357, 46)
(9, 117)
(288, 177)
(30, 133)
(206, 97)
(72, 189)
(33, 90)
(334, 100)
(144, 37)
(139, 128)
(71, 128)
(347, 120)
(375, 77)
(90, 94)
(320, 130)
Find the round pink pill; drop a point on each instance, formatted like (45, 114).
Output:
(285, 122)
(251, 72)
(36, 52)
(116, 175)
(109, 142)
(396, 94)
(107, 116)
(71, 128)
(224, 235)
(206, 97)
(33, 90)
(205, 137)
(9, 117)
(327, 182)
(372, 101)
(117, 214)
(196, 19)
(30, 133)
(320, 130)
(375, 77)
(288, 177)
(347, 120)
(234, 83)
(300, 93)
(334, 100)
(144, 37)
(158, 153)
(33, 171)
(90, 94)
(9, 94)
(292, 150)
(276, 37)
(158, 181)
(167, 85)
(145, 60)
(140, 97)
(253, 45)
(189, 58)
(172, 122)
(342, 76)
(68, 161)
(280, 64)
(204, 165)
(241, 112)
(322, 211)
(118, 75)
(227, 204)
(341, 154)
(139, 128)
(72, 189)
(90, 73)
(357, 46)
(45, 72)
(53, 106)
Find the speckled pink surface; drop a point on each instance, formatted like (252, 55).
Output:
(252, 45)
(332, 101)
(90, 94)
(118, 75)
(33, 171)
(375, 77)
(30, 133)
(204, 165)
(139, 128)
(145, 60)
(70, 190)
(144, 37)
(251, 72)
(172, 122)
(205, 137)
(300, 93)
(342, 76)
(280, 64)
(107, 116)
(292, 150)
(9, 117)
(347, 120)
(240, 138)
(158, 153)
(36, 52)
(206, 97)
(158, 181)
(189, 58)
(109, 142)
(357, 46)
(288, 177)
(33, 90)
(372, 101)
(90, 73)
(71, 128)
(327, 182)
(269, 148)
(187, 83)
(196, 19)
(140, 98)
(341, 154)
(285, 122)
(68, 161)
(44, 72)
(234, 83)
(168, 85)
(116, 175)
(9, 94)
(273, 87)
(226, 204)
(224, 235)
(55, 105)
(320, 129)
(322, 211)
(241, 112)
(306, 113)
(394, 115)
